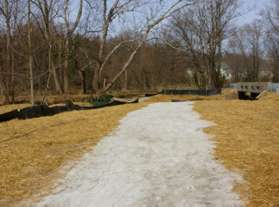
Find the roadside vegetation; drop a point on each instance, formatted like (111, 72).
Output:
(33, 151)
(246, 136)
(86, 47)
(57, 51)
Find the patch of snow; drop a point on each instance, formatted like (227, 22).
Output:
(158, 156)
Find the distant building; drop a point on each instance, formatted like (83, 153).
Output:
(225, 71)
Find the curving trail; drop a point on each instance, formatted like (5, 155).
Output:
(158, 156)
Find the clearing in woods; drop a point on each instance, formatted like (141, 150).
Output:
(158, 156)
(245, 139)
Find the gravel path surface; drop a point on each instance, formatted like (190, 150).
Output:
(158, 156)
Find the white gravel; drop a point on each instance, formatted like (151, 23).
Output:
(158, 156)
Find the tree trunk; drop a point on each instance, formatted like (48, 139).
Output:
(30, 57)
(12, 86)
(8, 63)
(52, 70)
(66, 65)
(126, 80)
(124, 68)
(4, 91)
(83, 81)
(95, 81)
(275, 71)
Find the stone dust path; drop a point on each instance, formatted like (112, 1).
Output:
(158, 156)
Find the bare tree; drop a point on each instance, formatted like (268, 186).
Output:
(247, 41)
(200, 32)
(272, 45)
(48, 10)
(64, 45)
(117, 9)
(271, 15)
(110, 12)
(30, 55)
(70, 29)
(9, 10)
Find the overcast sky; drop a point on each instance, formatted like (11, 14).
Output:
(251, 9)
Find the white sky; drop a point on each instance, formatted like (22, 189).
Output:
(251, 9)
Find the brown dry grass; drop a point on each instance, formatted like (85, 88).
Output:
(51, 99)
(168, 98)
(230, 94)
(268, 96)
(7, 108)
(247, 138)
(32, 151)
(76, 97)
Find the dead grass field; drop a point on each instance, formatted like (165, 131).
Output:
(7, 108)
(168, 98)
(247, 139)
(51, 99)
(32, 151)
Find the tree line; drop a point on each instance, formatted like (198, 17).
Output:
(92, 46)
